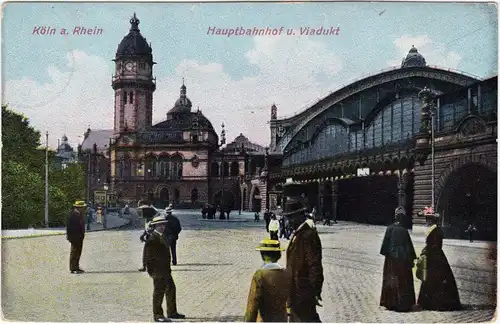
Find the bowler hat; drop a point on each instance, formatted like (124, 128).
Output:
(293, 206)
(269, 245)
(158, 220)
(80, 203)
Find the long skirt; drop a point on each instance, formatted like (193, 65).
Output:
(439, 291)
(398, 292)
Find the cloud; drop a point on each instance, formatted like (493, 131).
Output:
(291, 72)
(434, 53)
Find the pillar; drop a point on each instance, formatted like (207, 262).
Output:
(335, 198)
(403, 200)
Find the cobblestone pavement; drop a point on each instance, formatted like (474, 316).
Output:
(216, 263)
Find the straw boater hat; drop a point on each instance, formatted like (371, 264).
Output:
(293, 206)
(269, 245)
(159, 220)
(80, 203)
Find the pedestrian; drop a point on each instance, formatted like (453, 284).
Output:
(327, 221)
(471, 229)
(75, 233)
(398, 293)
(303, 261)
(267, 219)
(158, 267)
(173, 230)
(310, 221)
(270, 287)
(439, 288)
(274, 226)
(148, 229)
(256, 217)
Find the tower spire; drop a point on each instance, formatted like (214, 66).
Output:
(134, 23)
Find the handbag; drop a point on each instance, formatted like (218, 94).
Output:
(421, 266)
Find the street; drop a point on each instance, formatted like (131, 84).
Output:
(216, 262)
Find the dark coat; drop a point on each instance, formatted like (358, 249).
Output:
(439, 290)
(75, 228)
(173, 228)
(398, 292)
(397, 244)
(157, 255)
(303, 261)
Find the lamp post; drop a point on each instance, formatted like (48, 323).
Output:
(266, 169)
(429, 110)
(222, 143)
(105, 211)
(46, 179)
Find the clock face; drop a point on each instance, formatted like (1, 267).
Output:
(129, 66)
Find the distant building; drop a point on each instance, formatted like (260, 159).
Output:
(64, 154)
(177, 160)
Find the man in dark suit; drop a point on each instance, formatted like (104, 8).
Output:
(173, 230)
(158, 267)
(75, 233)
(303, 261)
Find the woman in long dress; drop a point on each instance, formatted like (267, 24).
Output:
(439, 289)
(398, 293)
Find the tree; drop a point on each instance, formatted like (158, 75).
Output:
(23, 177)
(22, 196)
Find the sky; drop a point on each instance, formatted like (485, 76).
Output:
(62, 83)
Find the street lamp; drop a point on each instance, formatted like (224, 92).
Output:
(222, 143)
(104, 222)
(266, 168)
(46, 179)
(429, 109)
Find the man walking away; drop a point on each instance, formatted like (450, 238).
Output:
(270, 287)
(303, 261)
(471, 229)
(274, 226)
(75, 233)
(173, 230)
(158, 267)
(267, 219)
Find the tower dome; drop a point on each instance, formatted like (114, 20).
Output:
(413, 59)
(134, 44)
(183, 104)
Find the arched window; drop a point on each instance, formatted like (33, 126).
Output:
(235, 169)
(127, 167)
(226, 169)
(176, 167)
(214, 169)
(151, 167)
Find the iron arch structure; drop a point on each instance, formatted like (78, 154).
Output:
(376, 133)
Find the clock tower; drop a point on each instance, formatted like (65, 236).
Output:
(133, 82)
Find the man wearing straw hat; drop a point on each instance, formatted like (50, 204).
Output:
(303, 261)
(270, 287)
(75, 233)
(158, 267)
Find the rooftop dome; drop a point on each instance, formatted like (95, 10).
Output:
(186, 121)
(183, 104)
(414, 58)
(134, 43)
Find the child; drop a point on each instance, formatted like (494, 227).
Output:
(270, 287)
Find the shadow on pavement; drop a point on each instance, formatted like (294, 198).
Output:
(229, 318)
(203, 264)
(135, 271)
(478, 307)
